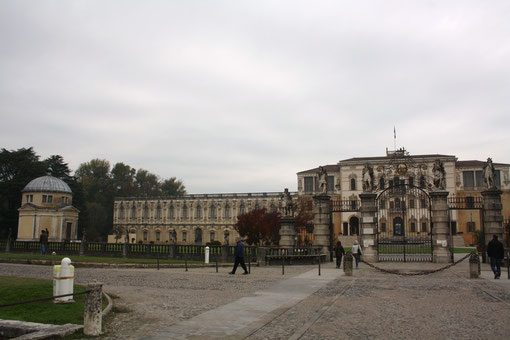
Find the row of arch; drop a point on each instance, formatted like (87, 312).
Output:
(198, 212)
(396, 181)
(182, 235)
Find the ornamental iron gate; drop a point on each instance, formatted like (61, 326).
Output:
(404, 229)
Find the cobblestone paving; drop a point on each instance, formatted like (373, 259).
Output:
(370, 304)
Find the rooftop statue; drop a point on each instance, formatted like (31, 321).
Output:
(488, 174)
(287, 205)
(323, 180)
(368, 178)
(439, 175)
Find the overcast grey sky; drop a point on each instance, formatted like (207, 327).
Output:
(238, 96)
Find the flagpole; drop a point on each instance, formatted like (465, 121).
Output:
(394, 139)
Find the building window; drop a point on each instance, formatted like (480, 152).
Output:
(121, 211)
(308, 184)
(424, 227)
(422, 182)
(184, 236)
(397, 203)
(468, 179)
(133, 211)
(470, 202)
(423, 203)
(227, 211)
(145, 235)
(212, 211)
(382, 204)
(353, 184)
(411, 204)
(411, 181)
(241, 209)
(383, 227)
(354, 204)
(471, 227)
(212, 236)
(157, 235)
(257, 206)
(47, 198)
(381, 183)
(273, 208)
(184, 211)
(413, 227)
(145, 212)
(392, 205)
(158, 212)
(198, 213)
(30, 198)
(171, 212)
(330, 180)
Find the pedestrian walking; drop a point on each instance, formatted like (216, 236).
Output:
(43, 240)
(496, 252)
(339, 252)
(356, 252)
(239, 257)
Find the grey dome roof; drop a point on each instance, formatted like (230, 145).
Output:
(49, 184)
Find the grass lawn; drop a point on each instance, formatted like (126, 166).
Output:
(14, 289)
(97, 259)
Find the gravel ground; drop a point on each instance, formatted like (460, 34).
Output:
(370, 304)
(147, 299)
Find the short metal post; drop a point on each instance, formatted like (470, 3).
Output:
(186, 261)
(319, 264)
(508, 264)
(249, 264)
(216, 263)
(157, 259)
(283, 265)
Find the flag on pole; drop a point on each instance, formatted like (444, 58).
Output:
(394, 132)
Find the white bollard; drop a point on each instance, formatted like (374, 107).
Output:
(63, 281)
(207, 254)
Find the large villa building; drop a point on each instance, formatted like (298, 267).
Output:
(202, 218)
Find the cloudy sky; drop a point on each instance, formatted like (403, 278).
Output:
(238, 96)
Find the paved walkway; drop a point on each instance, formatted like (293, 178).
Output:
(243, 317)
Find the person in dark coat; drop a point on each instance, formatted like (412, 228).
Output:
(239, 257)
(339, 252)
(43, 240)
(496, 252)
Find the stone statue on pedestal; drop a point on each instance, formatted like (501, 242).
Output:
(439, 175)
(368, 178)
(323, 180)
(287, 205)
(488, 174)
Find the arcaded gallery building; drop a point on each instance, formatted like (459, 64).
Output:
(202, 218)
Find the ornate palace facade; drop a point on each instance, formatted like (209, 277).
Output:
(191, 219)
(462, 179)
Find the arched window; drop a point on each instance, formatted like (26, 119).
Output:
(133, 211)
(212, 236)
(171, 212)
(381, 183)
(397, 203)
(184, 211)
(422, 182)
(121, 211)
(158, 212)
(241, 209)
(198, 213)
(273, 208)
(353, 184)
(227, 211)
(257, 206)
(146, 211)
(212, 211)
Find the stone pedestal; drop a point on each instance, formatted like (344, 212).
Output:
(287, 232)
(440, 229)
(368, 226)
(492, 218)
(93, 316)
(474, 265)
(321, 221)
(348, 258)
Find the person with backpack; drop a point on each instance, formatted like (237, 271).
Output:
(356, 252)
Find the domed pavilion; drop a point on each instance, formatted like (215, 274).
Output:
(47, 205)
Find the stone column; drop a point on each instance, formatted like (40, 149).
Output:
(287, 232)
(321, 221)
(368, 226)
(93, 316)
(492, 218)
(440, 226)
